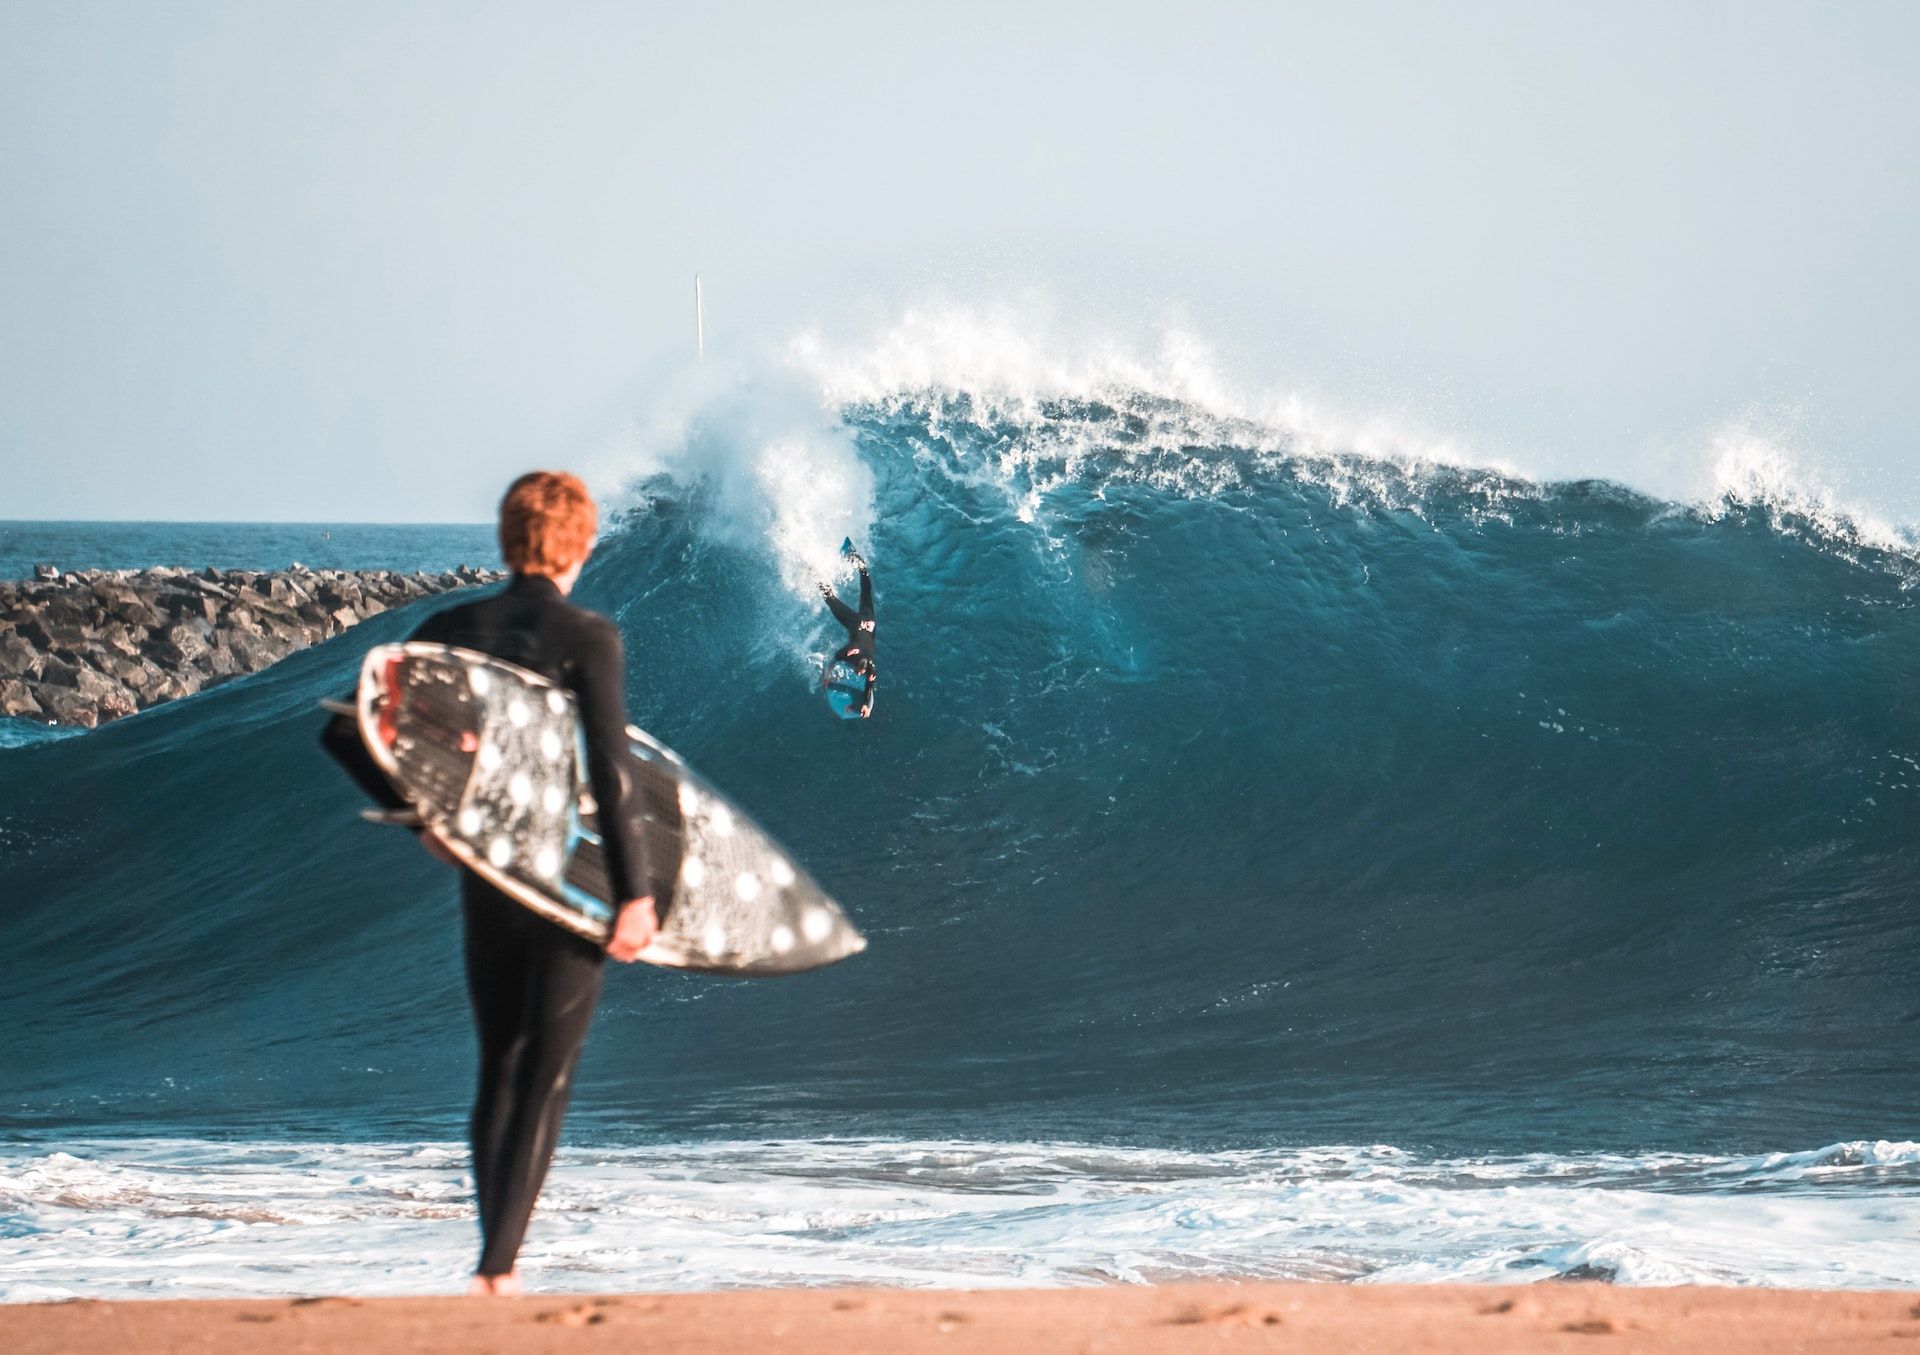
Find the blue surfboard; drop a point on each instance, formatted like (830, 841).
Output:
(845, 687)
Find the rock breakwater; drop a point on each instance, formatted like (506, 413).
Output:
(92, 646)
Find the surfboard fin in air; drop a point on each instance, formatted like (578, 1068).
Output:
(332, 707)
(394, 818)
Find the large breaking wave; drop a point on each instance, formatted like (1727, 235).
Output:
(1240, 776)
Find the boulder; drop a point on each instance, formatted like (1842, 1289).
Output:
(64, 609)
(126, 605)
(110, 700)
(16, 699)
(129, 671)
(68, 707)
(290, 630)
(174, 685)
(120, 638)
(56, 671)
(219, 659)
(45, 572)
(189, 638)
(255, 652)
(177, 602)
(19, 658)
(69, 640)
(92, 683)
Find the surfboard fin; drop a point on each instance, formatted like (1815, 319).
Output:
(394, 818)
(333, 707)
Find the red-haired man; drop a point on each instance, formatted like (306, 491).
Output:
(533, 983)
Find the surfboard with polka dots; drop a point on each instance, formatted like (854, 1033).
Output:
(491, 757)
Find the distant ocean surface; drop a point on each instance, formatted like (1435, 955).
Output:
(1277, 861)
(231, 545)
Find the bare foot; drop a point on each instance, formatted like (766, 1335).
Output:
(482, 1287)
(508, 1286)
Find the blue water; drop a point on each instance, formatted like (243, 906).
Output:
(236, 545)
(1223, 800)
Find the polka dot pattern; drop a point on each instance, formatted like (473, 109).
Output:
(738, 903)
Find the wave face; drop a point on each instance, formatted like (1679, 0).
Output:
(1223, 790)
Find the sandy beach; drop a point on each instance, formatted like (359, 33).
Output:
(1096, 1321)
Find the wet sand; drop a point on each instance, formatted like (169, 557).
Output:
(1114, 1320)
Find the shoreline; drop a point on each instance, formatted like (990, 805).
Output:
(1109, 1320)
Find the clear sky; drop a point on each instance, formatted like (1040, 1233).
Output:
(365, 261)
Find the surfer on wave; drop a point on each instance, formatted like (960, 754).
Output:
(857, 653)
(533, 983)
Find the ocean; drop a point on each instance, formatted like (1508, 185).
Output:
(1279, 857)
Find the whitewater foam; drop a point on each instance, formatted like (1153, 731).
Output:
(1748, 468)
(781, 469)
(198, 1218)
(1055, 405)
(1058, 405)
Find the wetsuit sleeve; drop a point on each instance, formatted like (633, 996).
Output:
(600, 686)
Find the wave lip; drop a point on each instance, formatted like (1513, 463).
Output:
(160, 1217)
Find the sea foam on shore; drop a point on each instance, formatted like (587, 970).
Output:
(196, 1218)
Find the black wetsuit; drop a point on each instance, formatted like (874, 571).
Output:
(533, 983)
(858, 650)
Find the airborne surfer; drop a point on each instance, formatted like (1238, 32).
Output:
(857, 652)
(534, 983)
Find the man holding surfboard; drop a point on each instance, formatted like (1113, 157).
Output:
(474, 733)
(534, 983)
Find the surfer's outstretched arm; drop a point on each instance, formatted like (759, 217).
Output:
(600, 685)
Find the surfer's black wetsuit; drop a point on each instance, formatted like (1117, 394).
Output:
(858, 650)
(533, 983)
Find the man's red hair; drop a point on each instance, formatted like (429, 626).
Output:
(547, 522)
